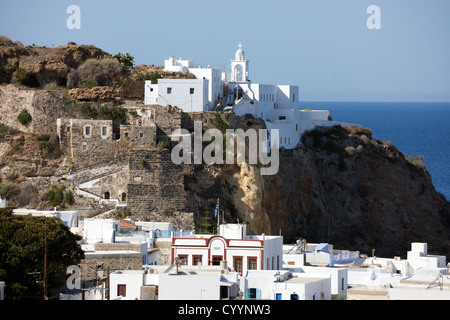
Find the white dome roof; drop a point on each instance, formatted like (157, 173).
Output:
(240, 54)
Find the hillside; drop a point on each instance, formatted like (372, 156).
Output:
(340, 185)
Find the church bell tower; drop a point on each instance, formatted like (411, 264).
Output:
(239, 66)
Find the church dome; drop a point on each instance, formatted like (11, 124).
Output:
(240, 54)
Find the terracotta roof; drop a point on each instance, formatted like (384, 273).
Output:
(125, 223)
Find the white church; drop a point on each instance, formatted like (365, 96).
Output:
(214, 90)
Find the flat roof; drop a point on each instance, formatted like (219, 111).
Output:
(304, 279)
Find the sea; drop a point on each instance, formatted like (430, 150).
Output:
(413, 127)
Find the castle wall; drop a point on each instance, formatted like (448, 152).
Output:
(156, 183)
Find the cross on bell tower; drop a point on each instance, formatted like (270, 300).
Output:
(239, 66)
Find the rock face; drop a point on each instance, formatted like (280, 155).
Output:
(43, 65)
(339, 186)
(344, 188)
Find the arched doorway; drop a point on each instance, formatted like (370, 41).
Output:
(107, 195)
(238, 73)
(217, 251)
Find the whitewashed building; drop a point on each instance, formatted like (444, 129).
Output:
(190, 95)
(181, 283)
(277, 105)
(241, 251)
(68, 218)
(284, 285)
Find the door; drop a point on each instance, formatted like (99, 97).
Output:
(122, 290)
(216, 260)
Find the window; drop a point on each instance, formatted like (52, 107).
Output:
(104, 131)
(216, 260)
(282, 118)
(252, 263)
(87, 130)
(84, 146)
(183, 259)
(141, 134)
(253, 293)
(122, 290)
(293, 97)
(296, 127)
(196, 260)
(237, 264)
(169, 90)
(191, 90)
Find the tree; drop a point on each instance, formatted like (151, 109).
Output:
(22, 254)
(126, 60)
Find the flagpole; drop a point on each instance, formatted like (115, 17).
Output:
(217, 215)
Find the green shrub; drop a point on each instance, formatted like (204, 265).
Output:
(68, 197)
(219, 123)
(47, 146)
(126, 60)
(88, 84)
(5, 40)
(24, 117)
(418, 160)
(4, 128)
(55, 195)
(20, 75)
(101, 72)
(163, 144)
(153, 77)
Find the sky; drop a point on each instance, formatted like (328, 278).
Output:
(323, 46)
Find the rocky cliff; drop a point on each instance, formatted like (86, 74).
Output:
(344, 187)
(340, 186)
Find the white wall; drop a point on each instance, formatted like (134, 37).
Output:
(100, 230)
(338, 277)
(151, 92)
(189, 287)
(133, 281)
(215, 85)
(305, 287)
(179, 65)
(180, 95)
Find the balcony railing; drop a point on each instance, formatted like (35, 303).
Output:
(344, 256)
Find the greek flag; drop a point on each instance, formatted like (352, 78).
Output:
(216, 212)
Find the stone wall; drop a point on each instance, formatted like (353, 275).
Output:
(44, 107)
(88, 266)
(156, 183)
(90, 142)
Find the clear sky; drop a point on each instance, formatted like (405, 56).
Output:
(324, 46)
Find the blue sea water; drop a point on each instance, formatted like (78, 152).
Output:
(413, 127)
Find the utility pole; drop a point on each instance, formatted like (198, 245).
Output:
(45, 261)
